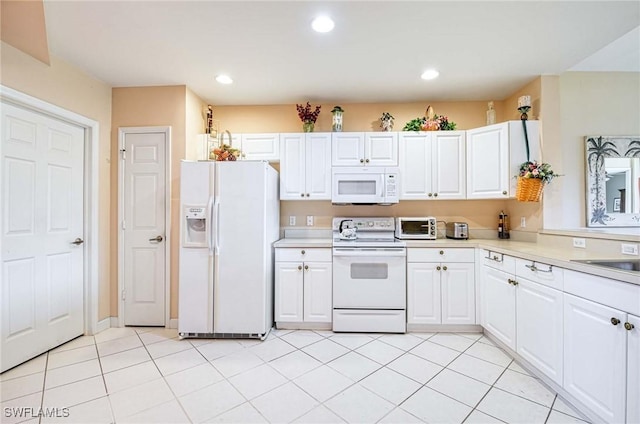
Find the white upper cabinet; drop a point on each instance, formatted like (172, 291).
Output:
(494, 155)
(364, 149)
(260, 146)
(432, 165)
(305, 166)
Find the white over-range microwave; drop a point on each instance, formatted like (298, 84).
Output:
(364, 185)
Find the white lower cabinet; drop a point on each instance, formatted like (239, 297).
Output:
(499, 305)
(303, 288)
(440, 292)
(595, 357)
(539, 327)
(632, 325)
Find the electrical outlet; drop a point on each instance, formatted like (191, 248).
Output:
(310, 220)
(579, 242)
(629, 249)
(292, 220)
(523, 222)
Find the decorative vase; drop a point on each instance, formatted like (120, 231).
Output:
(336, 119)
(307, 126)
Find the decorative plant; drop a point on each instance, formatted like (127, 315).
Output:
(431, 122)
(225, 153)
(306, 115)
(541, 171)
(414, 125)
(443, 123)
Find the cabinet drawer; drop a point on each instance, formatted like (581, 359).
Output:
(540, 272)
(444, 254)
(303, 254)
(616, 294)
(499, 261)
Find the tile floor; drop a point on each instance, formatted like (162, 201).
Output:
(146, 375)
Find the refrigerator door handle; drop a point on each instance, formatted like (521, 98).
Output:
(216, 208)
(209, 222)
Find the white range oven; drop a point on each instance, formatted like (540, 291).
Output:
(369, 276)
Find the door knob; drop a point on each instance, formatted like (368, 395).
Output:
(77, 241)
(158, 239)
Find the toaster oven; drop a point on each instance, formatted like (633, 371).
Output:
(420, 228)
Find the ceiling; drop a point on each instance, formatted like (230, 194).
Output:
(376, 53)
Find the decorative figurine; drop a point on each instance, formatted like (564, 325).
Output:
(336, 121)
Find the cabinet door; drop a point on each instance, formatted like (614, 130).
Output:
(595, 357)
(292, 166)
(457, 283)
(347, 149)
(261, 146)
(415, 177)
(381, 148)
(633, 370)
(499, 306)
(288, 292)
(423, 293)
(317, 174)
(318, 304)
(539, 327)
(448, 165)
(488, 162)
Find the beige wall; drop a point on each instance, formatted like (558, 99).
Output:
(195, 123)
(68, 87)
(141, 107)
(590, 103)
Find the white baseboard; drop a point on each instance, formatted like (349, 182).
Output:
(103, 325)
(114, 322)
(173, 323)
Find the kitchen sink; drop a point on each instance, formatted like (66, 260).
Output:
(623, 264)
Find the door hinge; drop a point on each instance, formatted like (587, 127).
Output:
(124, 294)
(124, 153)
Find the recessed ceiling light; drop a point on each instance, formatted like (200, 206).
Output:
(224, 79)
(322, 24)
(429, 74)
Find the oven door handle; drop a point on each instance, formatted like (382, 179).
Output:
(369, 252)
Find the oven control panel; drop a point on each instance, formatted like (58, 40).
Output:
(365, 224)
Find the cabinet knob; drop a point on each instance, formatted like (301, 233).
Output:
(367, 160)
(435, 194)
(361, 160)
(444, 268)
(430, 194)
(628, 326)
(306, 267)
(299, 267)
(615, 321)
(442, 252)
(307, 194)
(504, 192)
(301, 194)
(303, 252)
(438, 268)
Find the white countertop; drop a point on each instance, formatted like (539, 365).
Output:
(525, 250)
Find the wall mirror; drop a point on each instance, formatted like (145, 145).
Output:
(613, 181)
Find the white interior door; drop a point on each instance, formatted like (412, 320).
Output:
(144, 226)
(42, 216)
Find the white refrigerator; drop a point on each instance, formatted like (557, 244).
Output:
(230, 213)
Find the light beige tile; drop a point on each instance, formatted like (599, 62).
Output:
(179, 361)
(351, 341)
(81, 341)
(294, 364)
(302, 338)
(284, 404)
(134, 375)
(556, 417)
(243, 414)
(489, 353)
(158, 335)
(354, 366)
(74, 393)
(459, 387)
(193, 379)
(563, 406)
(477, 417)
(167, 347)
(257, 381)
(435, 353)
(390, 385)
(272, 349)
(32, 366)
(124, 359)
(20, 409)
(21, 386)
(479, 369)
(236, 363)
(325, 350)
(514, 366)
(431, 406)
(96, 411)
(71, 373)
(452, 341)
(380, 352)
(398, 416)
(472, 336)
(118, 345)
(73, 356)
(414, 367)
(139, 398)
(211, 401)
(511, 408)
(219, 348)
(359, 405)
(165, 413)
(525, 386)
(114, 333)
(401, 341)
(323, 382)
(319, 415)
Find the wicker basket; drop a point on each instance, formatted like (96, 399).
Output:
(529, 189)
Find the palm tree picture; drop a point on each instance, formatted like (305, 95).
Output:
(597, 150)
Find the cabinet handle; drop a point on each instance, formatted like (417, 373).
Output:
(512, 282)
(494, 258)
(435, 194)
(367, 161)
(504, 192)
(615, 321)
(303, 252)
(628, 326)
(438, 268)
(444, 268)
(299, 267)
(306, 267)
(442, 252)
(534, 268)
(361, 160)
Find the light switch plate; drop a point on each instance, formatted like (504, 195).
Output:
(310, 220)
(292, 220)
(629, 249)
(579, 242)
